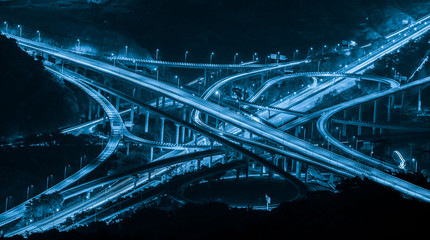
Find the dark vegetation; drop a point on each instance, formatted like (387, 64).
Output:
(43, 207)
(31, 160)
(361, 209)
(31, 101)
(404, 61)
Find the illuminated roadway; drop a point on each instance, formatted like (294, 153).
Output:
(115, 136)
(192, 65)
(324, 157)
(289, 142)
(121, 186)
(322, 121)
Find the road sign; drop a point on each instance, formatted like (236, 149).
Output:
(278, 57)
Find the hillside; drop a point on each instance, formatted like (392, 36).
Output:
(221, 26)
(31, 100)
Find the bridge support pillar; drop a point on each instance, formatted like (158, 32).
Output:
(375, 107)
(389, 108)
(98, 106)
(117, 103)
(211, 157)
(162, 120)
(375, 112)
(298, 169)
(157, 102)
(199, 161)
(247, 168)
(360, 118)
(163, 102)
(132, 111)
(419, 99)
(90, 109)
(306, 172)
(104, 119)
(184, 118)
(147, 121)
(261, 171)
(285, 164)
(177, 133)
(344, 125)
(205, 78)
(151, 154)
(195, 138)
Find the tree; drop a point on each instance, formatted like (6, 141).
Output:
(45, 205)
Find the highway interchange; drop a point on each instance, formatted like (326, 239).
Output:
(234, 131)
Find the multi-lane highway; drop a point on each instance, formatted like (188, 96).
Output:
(115, 136)
(292, 106)
(251, 65)
(267, 132)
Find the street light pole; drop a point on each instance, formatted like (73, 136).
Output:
(254, 57)
(113, 57)
(211, 56)
(294, 55)
(235, 56)
(6, 26)
(20, 30)
(186, 55)
(47, 181)
(65, 171)
(79, 45)
(7, 202)
(310, 50)
(322, 49)
(156, 54)
(177, 78)
(28, 190)
(219, 96)
(38, 32)
(126, 51)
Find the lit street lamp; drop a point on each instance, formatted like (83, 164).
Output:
(235, 56)
(310, 50)
(79, 45)
(322, 49)
(65, 170)
(186, 55)
(294, 55)
(211, 56)
(156, 54)
(7, 202)
(5, 24)
(219, 96)
(20, 30)
(254, 57)
(47, 181)
(113, 57)
(304, 132)
(126, 51)
(29, 188)
(177, 79)
(38, 33)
